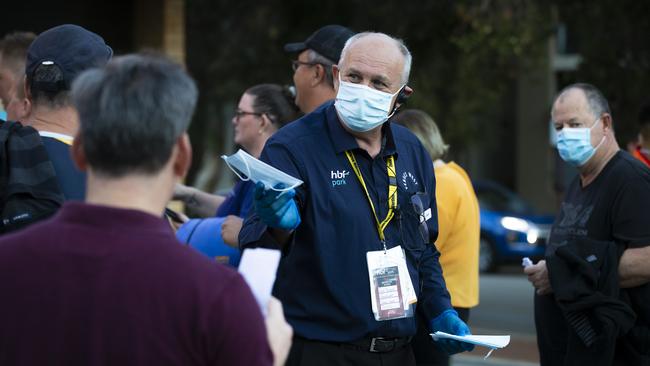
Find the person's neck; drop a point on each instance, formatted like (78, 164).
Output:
(595, 165)
(255, 149)
(149, 194)
(319, 96)
(369, 141)
(61, 120)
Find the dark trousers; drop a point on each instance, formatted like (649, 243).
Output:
(306, 352)
(425, 349)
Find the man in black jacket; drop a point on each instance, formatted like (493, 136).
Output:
(608, 203)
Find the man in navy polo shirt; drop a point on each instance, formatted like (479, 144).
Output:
(356, 234)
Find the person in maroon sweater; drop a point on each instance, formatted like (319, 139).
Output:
(105, 282)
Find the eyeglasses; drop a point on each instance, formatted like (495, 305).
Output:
(239, 114)
(419, 201)
(295, 64)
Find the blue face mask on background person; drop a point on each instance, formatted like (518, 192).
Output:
(362, 108)
(574, 144)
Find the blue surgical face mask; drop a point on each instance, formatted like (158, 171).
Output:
(574, 144)
(362, 108)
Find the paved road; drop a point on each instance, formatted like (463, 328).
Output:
(506, 303)
(506, 307)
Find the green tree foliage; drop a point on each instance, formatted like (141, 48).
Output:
(467, 54)
(611, 38)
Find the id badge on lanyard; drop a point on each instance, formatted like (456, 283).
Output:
(391, 289)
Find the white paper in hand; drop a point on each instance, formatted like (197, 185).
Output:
(258, 267)
(490, 341)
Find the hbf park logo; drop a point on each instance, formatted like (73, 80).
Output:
(338, 177)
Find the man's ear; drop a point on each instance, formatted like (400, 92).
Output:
(78, 154)
(28, 93)
(407, 90)
(607, 122)
(402, 96)
(319, 75)
(183, 159)
(25, 107)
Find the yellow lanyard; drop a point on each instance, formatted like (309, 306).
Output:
(392, 192)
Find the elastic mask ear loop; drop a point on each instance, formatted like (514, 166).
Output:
(395, 105)
(285, 189)
(489, 353)
(604, 136)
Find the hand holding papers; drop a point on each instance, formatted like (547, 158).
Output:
(489, 341)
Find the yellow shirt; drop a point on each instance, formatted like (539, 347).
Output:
(459, 233)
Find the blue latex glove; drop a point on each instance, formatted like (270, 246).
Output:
(275, 210)
(449, 322)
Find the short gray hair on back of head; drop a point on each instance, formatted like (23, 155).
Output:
(408, 59)
(595, 99)
(132, 112)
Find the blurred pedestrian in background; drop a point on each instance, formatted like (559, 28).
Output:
(13, 52)
(312, 69)
(458, 230)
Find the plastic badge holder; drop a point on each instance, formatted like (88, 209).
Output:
(246, 167)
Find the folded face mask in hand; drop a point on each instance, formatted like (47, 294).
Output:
(247, 167)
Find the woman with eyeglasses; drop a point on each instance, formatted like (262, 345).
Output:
(459, 230)
(262, 110)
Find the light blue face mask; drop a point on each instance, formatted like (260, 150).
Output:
(247, 167)
(362, 108)
(574, 144)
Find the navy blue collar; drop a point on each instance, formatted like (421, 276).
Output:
(342, 140)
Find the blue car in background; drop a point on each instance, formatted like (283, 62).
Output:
(510, 229)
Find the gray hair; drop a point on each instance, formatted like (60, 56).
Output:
(408, 59)
(316, 58)
(596, 100)
(132, 112)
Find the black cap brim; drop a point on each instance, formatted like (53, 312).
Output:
(295, 47)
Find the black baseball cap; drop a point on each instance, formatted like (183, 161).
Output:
(70, 47)
(327, 41)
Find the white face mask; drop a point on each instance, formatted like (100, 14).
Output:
(247, 168)
(362, 108)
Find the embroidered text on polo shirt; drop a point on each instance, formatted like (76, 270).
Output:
(338, 177)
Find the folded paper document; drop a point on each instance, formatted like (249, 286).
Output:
(490, 341)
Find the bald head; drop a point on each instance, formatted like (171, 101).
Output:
(378, 50)
(582, 97)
